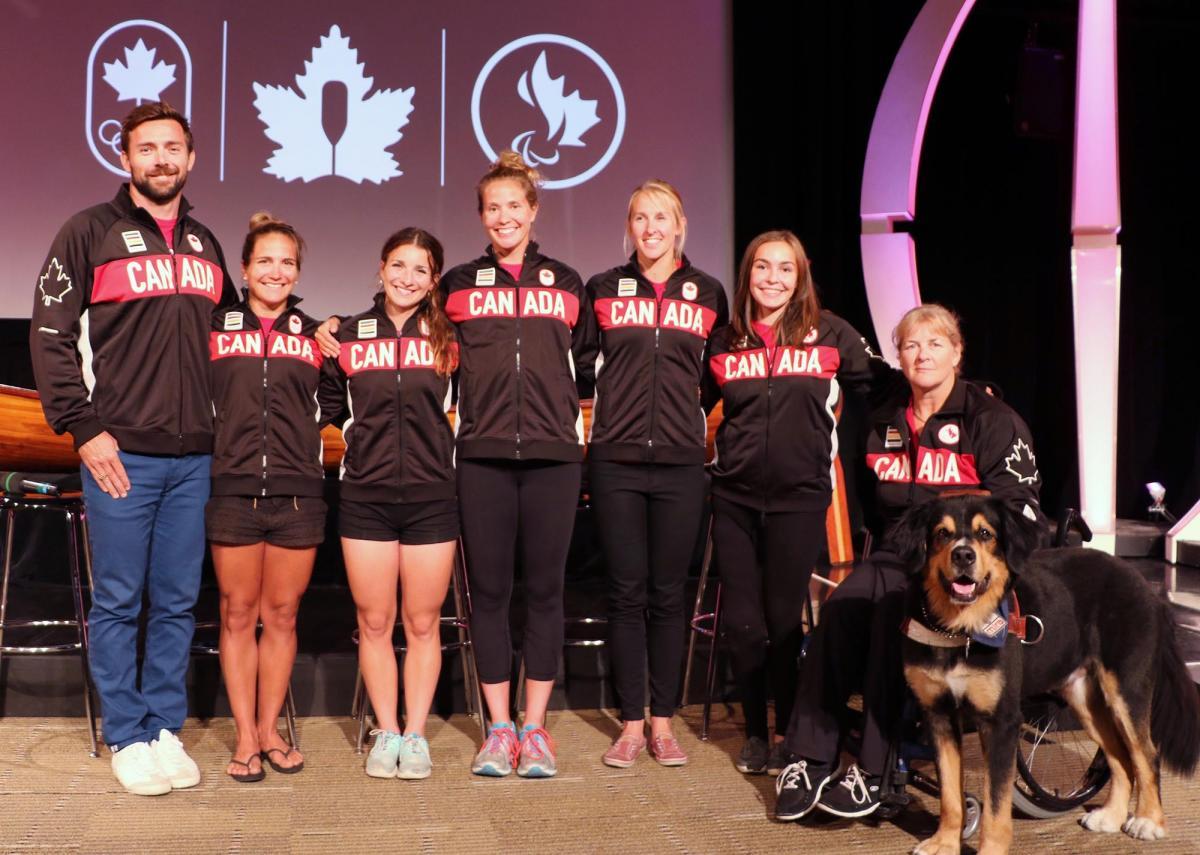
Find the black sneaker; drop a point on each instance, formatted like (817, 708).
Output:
(753, 759)
(799, 786)
(778, 759)
(856, 794)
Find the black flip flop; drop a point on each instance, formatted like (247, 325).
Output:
(283, 770)
(247, 777)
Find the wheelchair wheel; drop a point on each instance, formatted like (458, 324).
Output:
(1059, 767)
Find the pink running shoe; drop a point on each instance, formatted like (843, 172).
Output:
(666, 750)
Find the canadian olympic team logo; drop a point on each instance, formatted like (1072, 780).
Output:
(556, 102)
(131, 63)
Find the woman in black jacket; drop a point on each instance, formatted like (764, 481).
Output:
(527, 339)
(397, 514)
(646, 457)
(266, 515)
(779, 367)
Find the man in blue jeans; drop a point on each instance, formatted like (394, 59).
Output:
(119, 339)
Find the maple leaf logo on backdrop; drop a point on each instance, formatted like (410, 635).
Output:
(55, 283)
(313, 143)
(571, 114)
(139, 78)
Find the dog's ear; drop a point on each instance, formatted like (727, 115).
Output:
(910, 536)
(1021, 535)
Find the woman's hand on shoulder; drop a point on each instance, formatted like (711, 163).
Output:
(327, 337)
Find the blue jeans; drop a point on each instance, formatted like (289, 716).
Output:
(151, 541)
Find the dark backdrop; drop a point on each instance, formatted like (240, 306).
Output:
(993, 215)
(993, 203)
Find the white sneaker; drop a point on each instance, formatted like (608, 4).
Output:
(137, 769)
(180, 769)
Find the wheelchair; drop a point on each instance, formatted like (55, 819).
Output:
(1059, 767)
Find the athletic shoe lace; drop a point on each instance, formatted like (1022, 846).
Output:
(538, 741)
(502, 740)
(855, 783)
(792, 773)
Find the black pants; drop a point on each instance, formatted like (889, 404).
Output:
(765, 561)
(856, 648)
(510, 509)
(647, 521)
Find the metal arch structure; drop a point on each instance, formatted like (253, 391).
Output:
(888, 198)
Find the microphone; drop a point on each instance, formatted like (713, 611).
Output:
(27, 482)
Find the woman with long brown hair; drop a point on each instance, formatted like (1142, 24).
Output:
(398, 516)
(778, 368)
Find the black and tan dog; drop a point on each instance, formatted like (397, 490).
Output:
(1108, 649)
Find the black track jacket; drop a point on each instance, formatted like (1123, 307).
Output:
(119, 334)
(652, 364)
(778, 438)
(383, 386)
(527, 351)
(268, 423)
(973, 441)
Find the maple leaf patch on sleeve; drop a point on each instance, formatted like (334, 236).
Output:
(1021, 463)
(294, 119)
(139, 78)
(54, 284)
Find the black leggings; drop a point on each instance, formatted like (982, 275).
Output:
(765, 561)
(856, 648)
(647, 521)
(508, 506)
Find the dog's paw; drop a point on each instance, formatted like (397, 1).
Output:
(938, 845)
(1100, 821)
(1143, 828)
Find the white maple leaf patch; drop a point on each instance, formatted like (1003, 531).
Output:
(1021, 463)
(54, 283)
(294, 119)
(139, 78)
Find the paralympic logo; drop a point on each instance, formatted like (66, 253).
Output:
(569, 117)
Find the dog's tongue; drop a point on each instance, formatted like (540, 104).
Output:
(963, 589)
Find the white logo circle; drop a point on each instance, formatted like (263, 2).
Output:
(574, 44)
(690, 291)
(546, 277)
(811, 337)
(195, 243)
(948, 434)
(294, 325)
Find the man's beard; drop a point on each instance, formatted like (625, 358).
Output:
(155, 195)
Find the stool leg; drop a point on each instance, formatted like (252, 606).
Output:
(74, 526)
(519, 695)
(362, 703)
(710, 681)
(701, 587)
(289, 715)
(464, 634)
(9, 522)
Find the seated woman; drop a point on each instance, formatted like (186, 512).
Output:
(936, 433)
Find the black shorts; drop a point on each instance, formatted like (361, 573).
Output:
(411, 523)
(297, 522)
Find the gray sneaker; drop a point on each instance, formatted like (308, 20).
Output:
(381, 762)
(414, 762)
(537, 753)
(498, 753)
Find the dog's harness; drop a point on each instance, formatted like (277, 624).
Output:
(1006, 621)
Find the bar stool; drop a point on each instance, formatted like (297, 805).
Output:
(71, 508)
(289, 704)
(460, 623)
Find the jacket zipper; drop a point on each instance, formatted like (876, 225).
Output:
(399, 410)
(654, 370)
(265, 405)
(770, 354)
(517, 307)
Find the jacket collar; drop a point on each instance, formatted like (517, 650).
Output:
(124, 203)
(532, 255)
(684, 269)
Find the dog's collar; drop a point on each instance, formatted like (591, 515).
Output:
(1005, 621)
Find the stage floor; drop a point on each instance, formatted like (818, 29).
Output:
(54, 798)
